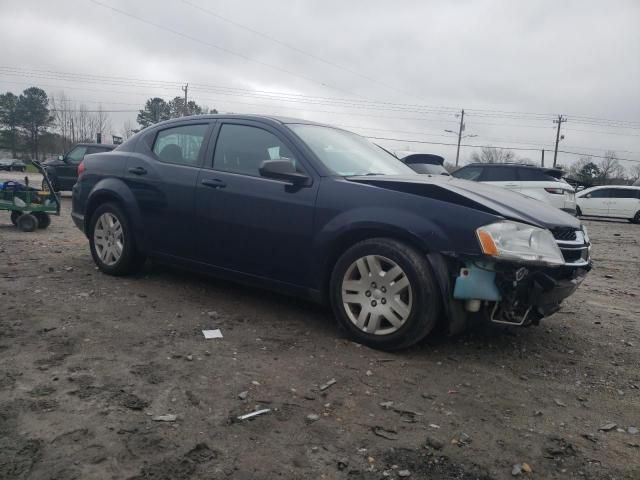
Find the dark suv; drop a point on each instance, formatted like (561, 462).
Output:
(316, 211)
(63, 170)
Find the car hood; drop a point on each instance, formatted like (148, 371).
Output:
(488, 198)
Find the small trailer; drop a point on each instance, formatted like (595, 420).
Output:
(30, 207)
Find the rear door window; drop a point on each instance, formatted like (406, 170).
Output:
(468, 173)
(625, 193)
(76, 155)
(180, 145)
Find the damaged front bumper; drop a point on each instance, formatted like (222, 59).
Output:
(504, 292)
(514, 294)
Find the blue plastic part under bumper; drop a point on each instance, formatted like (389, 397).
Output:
(476, 283)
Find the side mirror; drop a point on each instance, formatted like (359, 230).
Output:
(61, 158)
(282, 169)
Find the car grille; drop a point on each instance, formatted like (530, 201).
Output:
(573, 246)
(564, 233)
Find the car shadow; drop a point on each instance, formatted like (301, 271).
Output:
(319, 319)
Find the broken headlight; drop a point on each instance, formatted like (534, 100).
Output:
(519, 242)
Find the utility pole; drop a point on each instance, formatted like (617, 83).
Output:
(542, 161)
(561, 119)
(460, 130)
(185, 90)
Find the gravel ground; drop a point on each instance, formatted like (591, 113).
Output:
(91, 365)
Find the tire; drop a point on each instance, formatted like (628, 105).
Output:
(636, 218)
(27, 222)
(413, 310)
(15, 214)
(578, 212)
(44, 220)
(124, 258)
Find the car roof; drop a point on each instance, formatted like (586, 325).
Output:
(234, 116)
(504, 164)
(600, 187)
(87, 144)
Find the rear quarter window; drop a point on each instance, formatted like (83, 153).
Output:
(535, 175)
(499, 174)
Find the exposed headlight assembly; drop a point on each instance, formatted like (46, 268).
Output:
(519, 242)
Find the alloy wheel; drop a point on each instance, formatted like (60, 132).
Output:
(108, 238)
(377, 295)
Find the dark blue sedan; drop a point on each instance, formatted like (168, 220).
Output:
(320, 212)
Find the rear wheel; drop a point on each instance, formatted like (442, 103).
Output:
(27, 222)
(636, 218)
(112, 242)
(44, 220)
(384, 294)
(578, 212)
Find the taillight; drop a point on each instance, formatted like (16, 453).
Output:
(555, 191)
(81, 169)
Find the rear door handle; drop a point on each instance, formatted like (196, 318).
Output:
(138, 171)
(213, 183)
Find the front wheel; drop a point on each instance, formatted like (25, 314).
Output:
(112, 242)
(636, 218)
(578, 212)
(384, 294)
(15, 214)
(27, 222)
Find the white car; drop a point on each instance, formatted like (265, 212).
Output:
(610, 201)
(544, 184)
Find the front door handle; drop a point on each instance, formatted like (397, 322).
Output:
(138, 171)
(213, 183)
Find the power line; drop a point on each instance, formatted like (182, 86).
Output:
(283, 96)
(494, 146)
(297, 49)
(218, 47)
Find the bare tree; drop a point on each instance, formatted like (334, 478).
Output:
(127, 129)
(102, 122)
(495, 155)
(634, 173)
(60, 109)
(610, 168)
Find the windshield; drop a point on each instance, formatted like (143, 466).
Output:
(346, 154)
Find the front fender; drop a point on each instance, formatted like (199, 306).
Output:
(355, 225)
(417, 229)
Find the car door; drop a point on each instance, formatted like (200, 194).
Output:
(505, 177)
(67, 172)
(596, 202)
(623, 203)
(248, 223)
(162, 175)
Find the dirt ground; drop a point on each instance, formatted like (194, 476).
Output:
(88, 361)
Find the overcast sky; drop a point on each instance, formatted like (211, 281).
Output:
(578, 58)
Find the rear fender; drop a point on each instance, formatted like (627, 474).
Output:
(114, 189)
